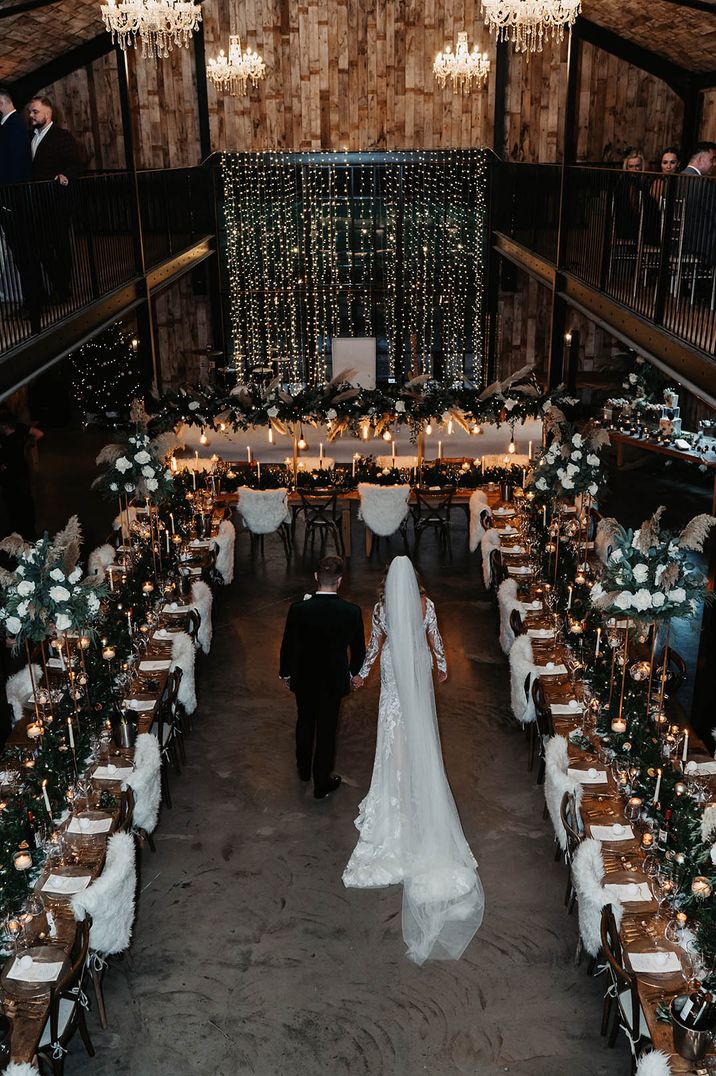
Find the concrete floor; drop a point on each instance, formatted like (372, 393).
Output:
(249, 956)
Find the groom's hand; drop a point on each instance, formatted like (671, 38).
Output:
(287, 681)
(442, 677)
(357, 682)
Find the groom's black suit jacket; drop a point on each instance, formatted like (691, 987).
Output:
(319, 633)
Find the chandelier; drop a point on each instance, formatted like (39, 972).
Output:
(466, 70)
(160, 24)
(526, 23)
(235, 71)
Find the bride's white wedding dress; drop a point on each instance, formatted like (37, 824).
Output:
(409, 827)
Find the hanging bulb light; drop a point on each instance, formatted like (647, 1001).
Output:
(203, 440)
(387, 436)
(270, 433)
(476, 429)
(302, 443)
(365, 431)
(429, 428)
(511, 449)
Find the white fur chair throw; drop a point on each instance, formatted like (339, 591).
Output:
(655, 1063)
(19, 687)
(202, 600)
(315, 463)
(587, 875)
(110, 899)
(490, 540)
(263, 510)
(99, 560)
(20, 1068)
(478, 505)
(184, 658)
(521, 667)
(145, 782)
(556, 782)
(383, 508)
(225, 539)
(127, 517)
(507, 601)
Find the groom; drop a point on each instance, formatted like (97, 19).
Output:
(320, 633)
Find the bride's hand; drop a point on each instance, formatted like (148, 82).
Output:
(357, 682)
(442, 677)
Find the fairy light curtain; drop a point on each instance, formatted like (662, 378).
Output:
(319, 245)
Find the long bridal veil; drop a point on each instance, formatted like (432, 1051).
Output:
(443, 899)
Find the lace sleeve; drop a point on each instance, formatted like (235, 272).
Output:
(377, 633)
(434, 637)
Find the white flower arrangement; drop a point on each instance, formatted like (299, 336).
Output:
(140, 463)
(46, 594)
(571, 464)
(648, 574)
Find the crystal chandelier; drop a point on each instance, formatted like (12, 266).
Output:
(526, 23)
(235, 71)
(160, 24)
(467, 70)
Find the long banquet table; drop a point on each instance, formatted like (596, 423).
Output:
(29, 1014)
(642, 928)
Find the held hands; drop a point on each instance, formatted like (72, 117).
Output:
(442, 676)
(357, 682)
(62, 180)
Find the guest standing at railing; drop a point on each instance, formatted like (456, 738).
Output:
(699, 205)
(55, 157)
(15, 167)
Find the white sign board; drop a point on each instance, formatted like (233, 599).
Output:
(355, 353)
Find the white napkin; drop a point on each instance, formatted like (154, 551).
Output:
(90, 825)
(508, 529)
(662, 963)
(519, 569)
(567, 509)
(66, 884)
(172, 607)
(164, 634)
(550, 669)
(503, 512)
(58, 663)
(617, 832)
(141, 705)
(27, 970)
(155, 665)
(200, 543)
(565, 709)
(7, 777)
(531, 606)
(630, 892)
(112, 773)
(509, 550)
(588, 777)
(700, 767)
(540, 633)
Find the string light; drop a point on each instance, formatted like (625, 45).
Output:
(105, 373)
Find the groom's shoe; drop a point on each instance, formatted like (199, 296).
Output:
(333, 784)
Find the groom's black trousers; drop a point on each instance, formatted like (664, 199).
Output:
(317, 720)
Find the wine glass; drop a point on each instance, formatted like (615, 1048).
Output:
(13, 930)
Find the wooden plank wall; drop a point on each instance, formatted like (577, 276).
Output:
(621, 107)
(707, 129)
(164, 111)
(182, 326)
(348, 74)
(87, 104)
(534, 105)
(523, 326)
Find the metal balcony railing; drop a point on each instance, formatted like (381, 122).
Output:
(63, 248)
(646, 240)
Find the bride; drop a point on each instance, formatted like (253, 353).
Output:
(409, 827)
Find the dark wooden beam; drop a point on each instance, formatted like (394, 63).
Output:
(502, 68)
(678, 78)
(695, 5)
(24, 87)
(28, 5)
(202, 93)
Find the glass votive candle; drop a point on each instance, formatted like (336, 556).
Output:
(34, 730)
(679, 788)
(147, 587)
(619, 725)
(633, 807)
(108, 653)
(22, 860)
(681, 920)
(647, 839)
(84, 642)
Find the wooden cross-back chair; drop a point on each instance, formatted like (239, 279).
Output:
(622, 989)
(68, 1005)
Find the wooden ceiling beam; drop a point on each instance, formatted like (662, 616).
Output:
(678, 78)
(86, 53)
(28, 5)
